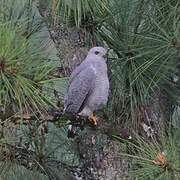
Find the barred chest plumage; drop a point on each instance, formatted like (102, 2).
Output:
(99, 95)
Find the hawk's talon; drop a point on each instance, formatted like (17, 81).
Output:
(93, 120)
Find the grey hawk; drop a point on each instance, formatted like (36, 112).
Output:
(88, 87)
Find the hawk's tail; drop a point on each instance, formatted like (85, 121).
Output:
(71, 131)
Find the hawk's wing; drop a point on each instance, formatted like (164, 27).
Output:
(79, 89)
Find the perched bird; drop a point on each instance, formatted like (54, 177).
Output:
(88, 87)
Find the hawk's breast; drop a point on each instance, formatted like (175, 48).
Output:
(99, 95)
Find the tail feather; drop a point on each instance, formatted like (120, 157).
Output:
(71, 131)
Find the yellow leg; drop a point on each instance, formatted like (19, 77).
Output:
(93, 119)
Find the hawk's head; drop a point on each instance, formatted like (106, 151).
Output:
(98, 52)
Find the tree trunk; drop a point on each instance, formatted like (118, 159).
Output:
(99, 155)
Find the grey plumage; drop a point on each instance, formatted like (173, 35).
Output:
(89, 85)
(79, 89)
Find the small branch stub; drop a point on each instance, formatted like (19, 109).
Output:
(160, 160)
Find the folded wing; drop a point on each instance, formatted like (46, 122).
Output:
(79, 89)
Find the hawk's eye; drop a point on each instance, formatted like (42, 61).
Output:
(96, 52)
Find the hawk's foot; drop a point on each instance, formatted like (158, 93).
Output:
(93, 119)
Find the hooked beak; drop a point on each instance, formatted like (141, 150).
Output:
(105, 56)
